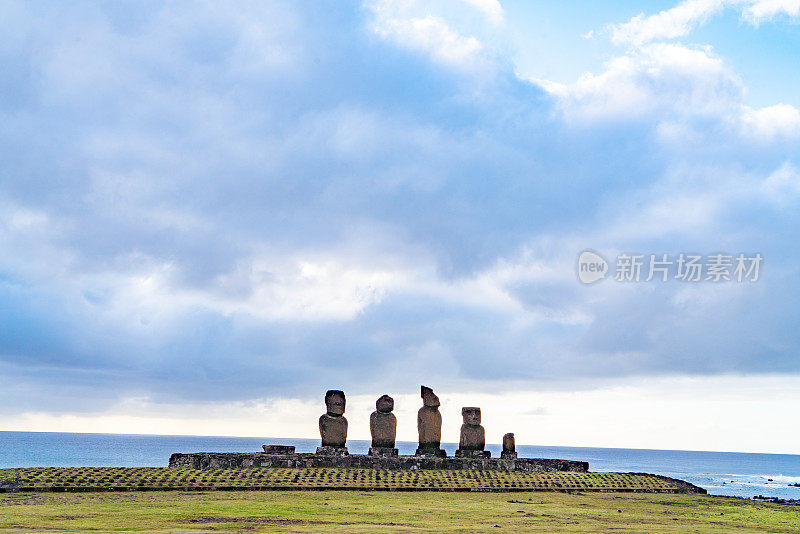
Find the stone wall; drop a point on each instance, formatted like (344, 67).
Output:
(212, 460)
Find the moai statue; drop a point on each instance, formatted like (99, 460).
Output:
(383, 427)
(333, 425)
(509, 447)
(473, 436)
(429, 425)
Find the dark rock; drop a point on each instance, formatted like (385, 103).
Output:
(431, 452)
(383, 423)
(467, 453)
(327, 450)
(9, 485)
(777, 500)
(333, 424)
(278, 449)
(383, 451)
(429, 420)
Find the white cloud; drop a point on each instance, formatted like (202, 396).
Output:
(658, 77)
(768, 123)
(668, 24)
(491, 8)
(783, 185)
(311, 290)
(268, 288)
(682, 19)
(765, 10)
(397, 21)
(138, 289)
(670, 213)
(673, 84)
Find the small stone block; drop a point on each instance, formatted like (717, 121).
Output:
(461, 453)
(382, 451)
(507, 455)
(279, 449)
(332, 451)
(438, 453)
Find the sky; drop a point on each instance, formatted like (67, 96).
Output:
(211, 213)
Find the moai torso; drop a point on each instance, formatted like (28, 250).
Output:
(429, 420)
(429, 425)
(333, 425)
(333, 430)
(509, 447)
(509, 443)
(383, 423)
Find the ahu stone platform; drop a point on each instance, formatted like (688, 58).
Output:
(217, 460)
(82, 479)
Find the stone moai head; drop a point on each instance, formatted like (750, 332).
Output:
(334, 401)
(509, 444)
(429, 398)
(472, 416)
(385, 404)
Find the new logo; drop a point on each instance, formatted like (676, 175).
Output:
(591, 267)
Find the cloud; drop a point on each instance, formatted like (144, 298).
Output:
(655, 79)
(267, 200)
(677, 85)
(434, 36)
(491, 8)
(668, 24)
(783, 185)
(682, 19)
(439, 29)
(767, 123)
(764, 10)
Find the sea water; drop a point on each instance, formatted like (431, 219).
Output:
(721, 473)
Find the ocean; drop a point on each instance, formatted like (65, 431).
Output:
(721, 473)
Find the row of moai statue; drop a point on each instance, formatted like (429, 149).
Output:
(383, 428)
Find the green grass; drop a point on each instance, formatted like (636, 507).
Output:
(359, 511)
(116, 479)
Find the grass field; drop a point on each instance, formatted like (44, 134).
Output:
(358, 511)
(154, 478)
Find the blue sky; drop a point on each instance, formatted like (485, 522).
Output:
(551, 41)
(231, 208)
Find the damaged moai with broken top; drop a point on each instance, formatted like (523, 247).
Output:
(333, 425)
(429, 425)
(509, 447)
(383, 428)
(472, 442)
